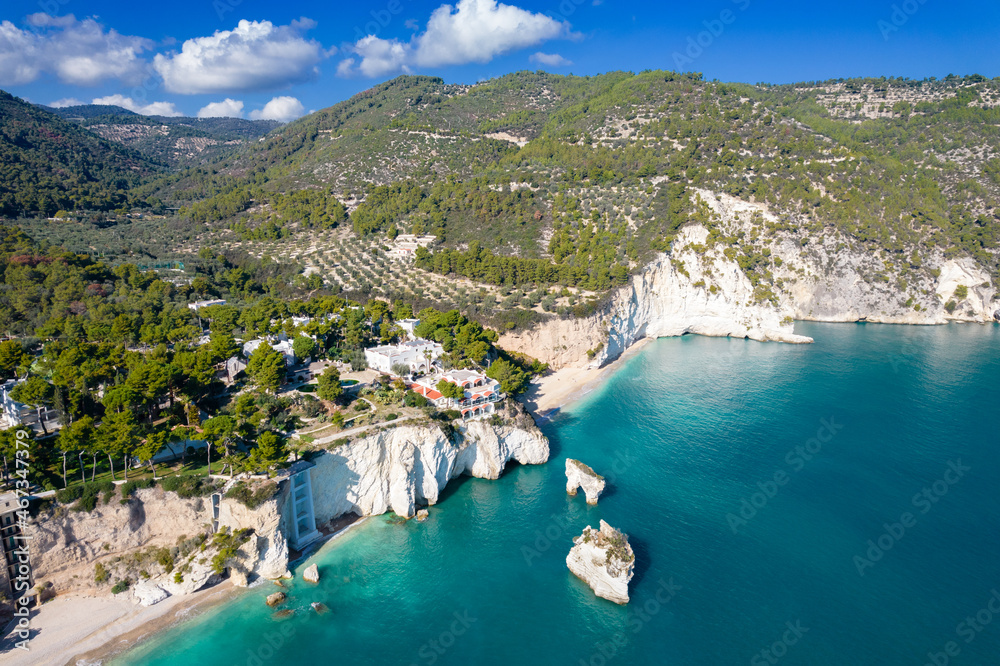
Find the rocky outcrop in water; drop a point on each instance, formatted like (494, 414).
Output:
(311, 574)
(579, 475)
(604, 560)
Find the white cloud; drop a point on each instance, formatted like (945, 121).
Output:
(282, 109)
(151, 109)
(78, 52)
(470, 31)
(227, 108)
(381, 56)
(344, 67)
(253, 56)
(549, 59)
(66, 101)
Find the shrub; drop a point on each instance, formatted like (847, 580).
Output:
(101, 574)
(120, 587)
(961, 292)
(189, 485)
(413, 399)
(228, 543)
(252, 497)
(84, 497)
(132, 486)
(165, 559)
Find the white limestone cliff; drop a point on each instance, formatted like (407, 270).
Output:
(69, 544)
(818, 275)
(399, 469)
(579, 475)
(403, 468)
(604, 560)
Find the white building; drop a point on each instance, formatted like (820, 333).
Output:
(481, 393)
(409, 327)
(284, 346)
(405, 246)
(232, 367)
(40, 419)
(416, 354)
(197, 305)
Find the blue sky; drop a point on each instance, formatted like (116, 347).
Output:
(279, 60)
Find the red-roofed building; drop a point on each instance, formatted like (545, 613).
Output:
(481, 393)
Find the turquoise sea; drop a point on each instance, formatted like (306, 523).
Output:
(866, 468)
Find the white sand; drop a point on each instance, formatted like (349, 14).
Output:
(70, 626)
(553, 391)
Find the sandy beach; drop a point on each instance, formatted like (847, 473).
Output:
(550, 393)
(79, 629)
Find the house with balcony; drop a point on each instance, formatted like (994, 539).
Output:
(481, 393)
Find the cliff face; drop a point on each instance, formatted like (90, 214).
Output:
(400, 469)
(67, 545)
(751, 274)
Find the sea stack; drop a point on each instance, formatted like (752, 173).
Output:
(604, 560)
(311, 574)
(579, 475)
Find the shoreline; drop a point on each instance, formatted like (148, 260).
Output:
(91, 630)
(82, 628)
(551, 393)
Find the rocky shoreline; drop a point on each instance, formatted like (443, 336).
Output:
(400, 469)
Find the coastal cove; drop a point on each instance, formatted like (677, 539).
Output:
(750, 478)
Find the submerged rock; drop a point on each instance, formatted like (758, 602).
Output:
(320, 607)
(579, 475)
(283, 614)
(275, 599)
(604, 560)
(311, 574)
(422, 515)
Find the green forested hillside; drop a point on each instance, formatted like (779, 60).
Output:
(586, 177)
(581, 173)
(48, 164)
